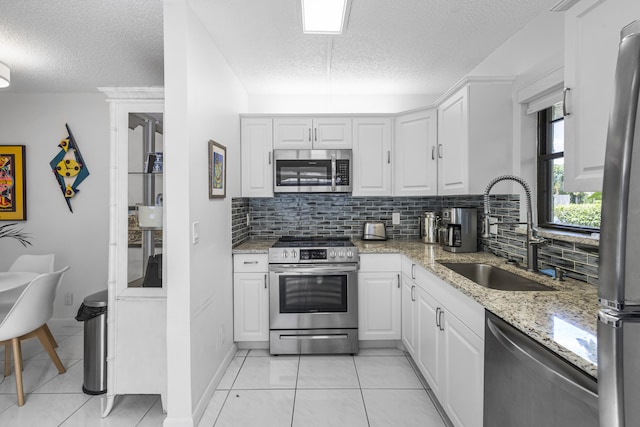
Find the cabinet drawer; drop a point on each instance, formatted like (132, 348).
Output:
(250, 263)
(380, 262)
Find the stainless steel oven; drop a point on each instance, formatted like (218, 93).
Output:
(313, 297)
(312, 171)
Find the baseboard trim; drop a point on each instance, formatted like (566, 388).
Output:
(202, 404)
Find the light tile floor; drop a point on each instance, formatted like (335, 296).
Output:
(378, 387)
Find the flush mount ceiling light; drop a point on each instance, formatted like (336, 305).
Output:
(324, 16)
(5, 75)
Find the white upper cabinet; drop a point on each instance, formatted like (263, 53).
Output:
(372, 156)
(453, 136)
(475, 133)
(292, 133)
(414, 156)
(332, 133)
(592, 36)
(256, 145)
(324, 133)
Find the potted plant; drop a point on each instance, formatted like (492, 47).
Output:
(10, 230)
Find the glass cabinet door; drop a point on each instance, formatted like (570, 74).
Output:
(145, 202)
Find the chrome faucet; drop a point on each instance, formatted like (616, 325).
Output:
(533, 240)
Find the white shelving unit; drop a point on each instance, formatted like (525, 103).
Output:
(136, 316)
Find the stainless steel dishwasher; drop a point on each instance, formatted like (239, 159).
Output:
(526, 385)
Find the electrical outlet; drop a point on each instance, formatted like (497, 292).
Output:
(395, 218)
(493, 225)
(195, 232)
(68, 298)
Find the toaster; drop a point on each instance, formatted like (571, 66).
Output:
(374, 231)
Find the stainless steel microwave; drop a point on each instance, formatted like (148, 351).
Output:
(312, 171)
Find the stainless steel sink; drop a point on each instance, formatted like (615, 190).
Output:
(493, 277)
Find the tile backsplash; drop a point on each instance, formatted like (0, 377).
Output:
(342, 214)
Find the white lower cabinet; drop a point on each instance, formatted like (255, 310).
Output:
(446, 340)
(430, 341)
(463, 357)
(379, 297)
(250, 297)
(409, 327)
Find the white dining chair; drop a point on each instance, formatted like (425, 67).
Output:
(26, 319)
(33, 264)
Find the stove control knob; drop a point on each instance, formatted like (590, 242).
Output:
(293, 254)
(341, 254)
(349, 254)
(285, 254)
(332, 254)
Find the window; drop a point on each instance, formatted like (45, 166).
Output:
(556, 207)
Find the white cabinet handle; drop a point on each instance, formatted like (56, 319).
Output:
(413, 294)
(265, 281)
(269, 157)
(309, 134)
(439, 151)
(565, 113)
(315, 134)
(398, 281)
(389, 157)
(433, 152)
(250, 262)
(413, 271)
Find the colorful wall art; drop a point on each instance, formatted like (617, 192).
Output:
(13, 200)
(217, 170)
(69, 168)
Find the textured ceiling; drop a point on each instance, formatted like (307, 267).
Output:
(390, 46)
(77, 45)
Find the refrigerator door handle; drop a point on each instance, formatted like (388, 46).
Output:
(620, 198)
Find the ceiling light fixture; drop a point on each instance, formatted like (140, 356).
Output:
(324, 16)
(5, 75)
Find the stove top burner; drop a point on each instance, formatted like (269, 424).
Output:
(312, 242)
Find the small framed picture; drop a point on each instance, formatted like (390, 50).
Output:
(13, 192)
(217, 170)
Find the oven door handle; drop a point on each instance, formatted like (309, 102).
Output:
(313, 269)
(314, 337)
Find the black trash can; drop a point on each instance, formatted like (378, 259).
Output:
(93, 312)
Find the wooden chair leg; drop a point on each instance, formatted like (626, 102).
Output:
(50, 335)
(7, 359)
(17, 358)
(44, 340)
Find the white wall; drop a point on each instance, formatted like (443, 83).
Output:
(299, 104)
(78, 239)
(203, 99)
(535, 50)
(540, 41)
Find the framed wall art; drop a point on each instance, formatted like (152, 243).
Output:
(69, 167)
(13, 191)
(217, 170)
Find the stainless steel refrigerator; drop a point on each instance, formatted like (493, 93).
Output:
(619, 278)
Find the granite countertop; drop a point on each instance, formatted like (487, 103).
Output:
(564, 321)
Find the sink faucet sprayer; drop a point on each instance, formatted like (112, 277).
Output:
(533, 241)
